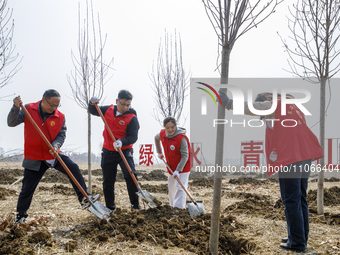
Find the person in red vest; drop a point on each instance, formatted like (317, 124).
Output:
(37, 155)
(290, 149)
(177, 154)
(123, 122)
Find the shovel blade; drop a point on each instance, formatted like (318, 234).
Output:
(196, 209)
(100, 210)
(150, 200)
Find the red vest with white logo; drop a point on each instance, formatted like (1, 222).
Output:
(291, 139)
(172, 151)
(35, 147)
(118, 127)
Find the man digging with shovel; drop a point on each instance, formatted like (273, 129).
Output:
(38, 157)
(123, 123)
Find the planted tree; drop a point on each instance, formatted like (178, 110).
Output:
(313, 50)
(230, 20)
(91, 72)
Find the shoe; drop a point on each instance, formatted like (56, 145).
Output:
(20, 219)
(85, 203)
(135, 207)
(284, 240)
(285, 246)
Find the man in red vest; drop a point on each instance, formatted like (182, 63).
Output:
(37, 155)
(123, 122)
(290, 149)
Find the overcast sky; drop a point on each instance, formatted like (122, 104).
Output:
(46, 32)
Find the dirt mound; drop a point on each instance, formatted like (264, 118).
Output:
(167, 227)
(10, 176)
(332, 179)
(331, 196)
(264, 206)
(53, 176)
(202, 182)
(6, 192)
(58, 189)
(247, 180)
(23, 238)
(155, 175)
(161, 188)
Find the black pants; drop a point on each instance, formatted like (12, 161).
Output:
(109, 163)
(32, 179)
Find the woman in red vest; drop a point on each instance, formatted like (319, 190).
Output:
(177, 153)
(290, 149)
(37, 155)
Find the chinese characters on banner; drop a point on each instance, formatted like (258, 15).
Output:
(145, 154)
(251, 150)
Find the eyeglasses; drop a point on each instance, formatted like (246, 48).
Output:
(124, 104)
(52, 105)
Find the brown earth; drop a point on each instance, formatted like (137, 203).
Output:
(252, 219)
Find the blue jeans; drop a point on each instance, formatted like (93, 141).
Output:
(293, 180)
(32, 179)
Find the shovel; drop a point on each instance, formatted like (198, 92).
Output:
(96, 207)
(195, 208)
(143, 194)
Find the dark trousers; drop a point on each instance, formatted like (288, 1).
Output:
(110, 161)
(293, 180)
(32, 179)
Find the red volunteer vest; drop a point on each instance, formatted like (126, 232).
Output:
(293, 143)
(172, 152)
(118, 127)
(35, 148)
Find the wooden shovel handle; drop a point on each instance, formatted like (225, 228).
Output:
(56, 153)
(180, 183)
(119, 149)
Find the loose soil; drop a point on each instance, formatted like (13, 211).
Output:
(252, 218)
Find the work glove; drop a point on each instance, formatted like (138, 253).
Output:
(94, 100)
(117, 144)
(160, 155)
(273, 156)
(54, 151)
(226, 102)
(176, 173)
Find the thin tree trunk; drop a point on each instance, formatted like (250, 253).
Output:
(216, 209)
(89, 188)
(320, 192)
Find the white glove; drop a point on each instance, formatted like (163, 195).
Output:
(273, 156)
(117, 144)
(160, 155)
(94, 100)
(176, 173)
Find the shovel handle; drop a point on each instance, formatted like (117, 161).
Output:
(180, 183)
(56, 153)
(119, 149)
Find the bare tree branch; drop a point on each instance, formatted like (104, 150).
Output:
(90, 69)
(9, 62)
(313, 52)
(169, 79)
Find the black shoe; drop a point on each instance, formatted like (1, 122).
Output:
(284, 240)
(135, 207)
(285, 246)
(20, 219)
